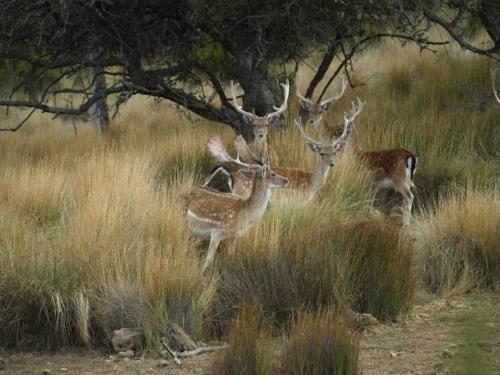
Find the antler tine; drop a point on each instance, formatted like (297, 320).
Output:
(235, 102)
(218, 151)
(495, 93)
(348, 120)
(356, 110)
(302, 98)
(303, 132)
(338, 95)
(281, 109)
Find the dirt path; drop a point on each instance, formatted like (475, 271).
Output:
(426, 341)
(429, 340)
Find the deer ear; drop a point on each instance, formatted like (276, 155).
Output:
(250, 120)
(271, 120)
(313, 147)
(339, 147)
(326, 105)
(305, 105)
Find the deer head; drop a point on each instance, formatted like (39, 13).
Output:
(257, 171)
(331, 151)
(261, 124)
(315, 110)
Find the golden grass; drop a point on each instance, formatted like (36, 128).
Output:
(93, 236)
(460, 250)
(321, 343)
(249, 350)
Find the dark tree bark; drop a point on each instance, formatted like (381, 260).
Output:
(99, 111)
(322, 69)
(489, 15)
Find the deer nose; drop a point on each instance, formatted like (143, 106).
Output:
(261, 135)
(332, 164)
(285, 181)
(311, 121)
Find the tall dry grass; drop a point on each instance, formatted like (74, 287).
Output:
(460, 251)
(250, 352)
(92, 235)
(320, 344)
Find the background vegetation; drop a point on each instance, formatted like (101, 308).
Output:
(93, 238)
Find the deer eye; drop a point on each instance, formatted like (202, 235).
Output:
(273, 174)
(322, 153)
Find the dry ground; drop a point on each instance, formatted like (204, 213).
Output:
(426, 341)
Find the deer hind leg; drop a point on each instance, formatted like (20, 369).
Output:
(408, 203)
(215, 239)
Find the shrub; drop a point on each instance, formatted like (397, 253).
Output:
(460, 247)
(320, 344)
(307, 262)
(248, 353)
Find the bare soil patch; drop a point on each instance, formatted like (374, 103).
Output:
(425, 341)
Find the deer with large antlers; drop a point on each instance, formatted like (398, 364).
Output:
(261, 124)
(308, 182)
(392, 169)
(314, 113)
(217, 215)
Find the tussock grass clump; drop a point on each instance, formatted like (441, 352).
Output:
(320, 344)
(460, 249)
(383, 267)
(248, 352)
(307, 261)
(92, 243)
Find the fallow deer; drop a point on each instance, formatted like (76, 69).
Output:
(261, 124)
(308, 182)
(495, 93)
(217, 215)
(314, 114)
(392, 168)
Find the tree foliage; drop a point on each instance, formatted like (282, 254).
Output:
(187, 50)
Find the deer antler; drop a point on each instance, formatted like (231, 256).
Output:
(218, 151)
(338, 95)
(303, 132)
(356, 110)
(238, 108)
(349, 119)
(493, 74)
(281, 109)
(243, 150)
(307, 101)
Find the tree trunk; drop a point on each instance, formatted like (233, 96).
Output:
(99, 110)
(322, 69)
(261, 94)
(489, 15)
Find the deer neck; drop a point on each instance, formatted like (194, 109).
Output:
(319, 175)
(256, 204)
(357, 149)
(261, 149)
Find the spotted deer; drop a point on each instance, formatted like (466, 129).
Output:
(308, 182)
(495, 93)
(260, 125)
(393, 169)
(314, 114)
(210, 213)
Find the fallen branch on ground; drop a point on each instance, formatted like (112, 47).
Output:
(189, 353)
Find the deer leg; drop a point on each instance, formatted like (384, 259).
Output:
(215, 239)
(408, 202)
